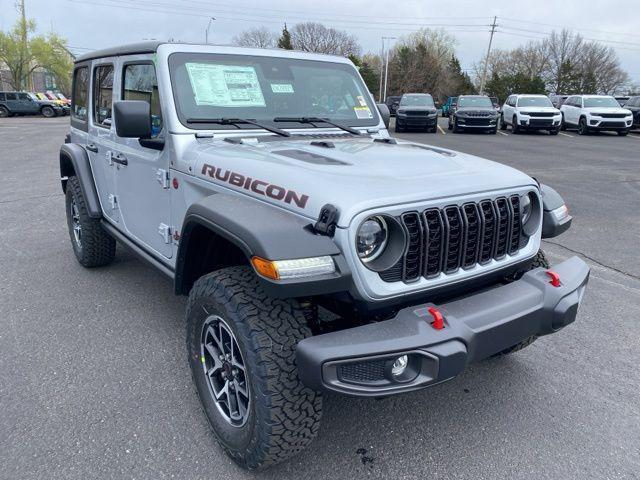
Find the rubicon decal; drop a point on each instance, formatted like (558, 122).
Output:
(254, 185)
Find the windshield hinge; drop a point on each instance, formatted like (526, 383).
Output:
(327, 220)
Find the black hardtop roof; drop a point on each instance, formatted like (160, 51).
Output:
(130, 49)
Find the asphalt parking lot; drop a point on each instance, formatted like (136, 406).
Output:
(94, 382)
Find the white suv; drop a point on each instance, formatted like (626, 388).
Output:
(596, 112)
(530, 112)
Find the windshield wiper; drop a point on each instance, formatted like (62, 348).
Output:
(317, 120)
(237, 121)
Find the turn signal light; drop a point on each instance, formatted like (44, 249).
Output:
(266, 268)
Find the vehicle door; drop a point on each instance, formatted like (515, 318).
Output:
(142, 185)
(101, 145)
(28, 104)
(13, 103)
(507, 109)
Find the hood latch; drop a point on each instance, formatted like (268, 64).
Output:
(326, 224)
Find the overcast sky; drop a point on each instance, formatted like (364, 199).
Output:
(89, 24)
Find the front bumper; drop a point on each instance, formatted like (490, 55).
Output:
(539, 123)
(417, 121)
(599, 123)
(475, 122)
(357, 361)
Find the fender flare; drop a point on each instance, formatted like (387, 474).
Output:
(75, 161)
(263, 230)
(551, 200)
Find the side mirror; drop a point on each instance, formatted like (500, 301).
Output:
(384, 113)
(132, 118)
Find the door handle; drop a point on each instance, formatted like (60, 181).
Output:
(92, 148)
(120, 159)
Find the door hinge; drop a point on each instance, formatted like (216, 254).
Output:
(165, 231)
(163, 177)
(113, 201)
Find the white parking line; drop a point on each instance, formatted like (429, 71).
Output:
(502, 133)
(441, 130)
(565, 134)
(634, 136)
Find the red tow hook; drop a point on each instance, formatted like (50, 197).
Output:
(438, 319)
(555, 278)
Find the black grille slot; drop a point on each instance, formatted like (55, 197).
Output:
(362, 372)
(453, 239)
(488, 212)
(514, 242)
(472, 227)
(611, 115)
(435, 230)
(504, 227)
(540, 114)
(413, 257)
(445, 240)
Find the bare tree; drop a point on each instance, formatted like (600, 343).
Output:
(260, 37)
(315, 37)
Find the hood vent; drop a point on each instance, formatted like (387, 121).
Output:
(309, 157)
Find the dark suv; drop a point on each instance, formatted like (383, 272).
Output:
(21, 103)
(633, 104)
(417, 110)
(475, 112)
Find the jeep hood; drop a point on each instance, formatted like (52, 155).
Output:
(353, 174)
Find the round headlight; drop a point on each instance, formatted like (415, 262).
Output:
(526, 207)
(371, 238)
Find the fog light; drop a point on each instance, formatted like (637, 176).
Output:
(399, 365)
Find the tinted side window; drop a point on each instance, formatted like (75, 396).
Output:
(24, 96)
(1, 97)
(80, 93)
(12, 96)
(140, 83)
(102, 95)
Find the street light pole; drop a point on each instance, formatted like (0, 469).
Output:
(206, 32)
(386, 67)
(381, 69)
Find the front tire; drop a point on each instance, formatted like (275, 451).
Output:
(514, 125)
(582, 127)
(554, 131)
(92, 246)
(623, 133)
(503, 124)
(282, 416)
(48, 112)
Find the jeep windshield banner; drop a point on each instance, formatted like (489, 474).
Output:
(262, 88)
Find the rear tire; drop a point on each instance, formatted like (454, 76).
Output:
(281, 415)
(539, 261)
(92, 246)
(4, 112)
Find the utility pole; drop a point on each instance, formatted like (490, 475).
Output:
(381, 69)
(386, 67)
(206, 32)
(23, 45)
(486, 60)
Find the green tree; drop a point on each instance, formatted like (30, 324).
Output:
(502, 86)
(23, 53)
(369, 74)
(285, 39)
(461, 84)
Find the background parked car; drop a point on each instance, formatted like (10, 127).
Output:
(633, 105)
(530, 112)
(448, 105)
(417, 110)
(393, 102)
(49, 97)
(558, 100)
(596, 112)
(474, 112)
(622, 100)
(21, 103)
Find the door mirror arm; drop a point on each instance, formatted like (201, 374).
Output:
(152, 143)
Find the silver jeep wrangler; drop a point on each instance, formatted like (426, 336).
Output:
(318, 253)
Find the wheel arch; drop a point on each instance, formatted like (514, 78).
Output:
(74, 161)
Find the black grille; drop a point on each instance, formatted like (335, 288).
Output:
(362, 372)
(416, 113)
(611, 124)
(477, 121)
(539, 114)
(540, 122)
(447, 239)
(611, 115)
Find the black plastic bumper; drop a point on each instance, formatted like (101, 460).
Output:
(416, 121)
(357, 361)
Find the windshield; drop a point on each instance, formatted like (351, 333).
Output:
(417, 101)
(474, 102)
(215, 86)
(608, 102)
(534, 102)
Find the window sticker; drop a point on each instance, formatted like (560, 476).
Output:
(281, 88)
(225, 85)
(362, 101)
(363, 112)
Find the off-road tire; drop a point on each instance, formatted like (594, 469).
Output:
(283, 415)
(48, 112)
(4, 112)
(97, 247)
(539, 261)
